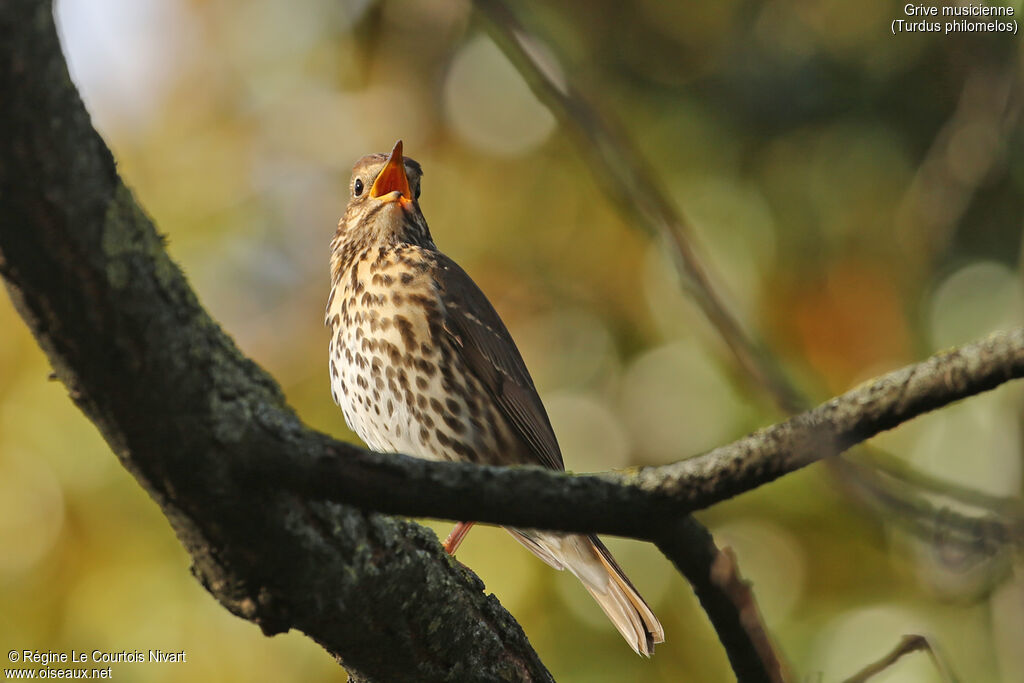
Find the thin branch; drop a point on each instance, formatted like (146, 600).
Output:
(979, 536)
(941, 192)
(638, 193)
(907, 645)
(899, 473)
(857, 415)
(725, 597)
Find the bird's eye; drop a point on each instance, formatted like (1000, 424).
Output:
(358, 187)
(417, 191)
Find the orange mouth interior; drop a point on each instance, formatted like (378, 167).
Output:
(392, 178)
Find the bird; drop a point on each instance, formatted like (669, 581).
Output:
(421, 364)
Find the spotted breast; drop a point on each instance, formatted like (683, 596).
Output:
(394, 370)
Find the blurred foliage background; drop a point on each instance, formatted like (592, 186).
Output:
(857, 194)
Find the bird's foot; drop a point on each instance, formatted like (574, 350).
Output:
(454, 540)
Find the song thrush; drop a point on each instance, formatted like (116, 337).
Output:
(421, 364)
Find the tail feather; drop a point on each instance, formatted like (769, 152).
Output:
(591, 562)
(651, 628)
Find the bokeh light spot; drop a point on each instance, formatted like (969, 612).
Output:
(677, 403)
(489, 105)
(974, 301)
(590, 434)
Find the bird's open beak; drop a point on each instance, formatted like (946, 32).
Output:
(392, 180)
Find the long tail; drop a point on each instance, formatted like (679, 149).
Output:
(591, 562)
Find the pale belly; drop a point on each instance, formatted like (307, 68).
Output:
(380, 416)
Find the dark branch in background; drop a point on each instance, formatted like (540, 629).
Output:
(184, 410)
(907, 645)
(936, 200)
(638, 194)
(930, 518)
(940, 511)
(727, 600)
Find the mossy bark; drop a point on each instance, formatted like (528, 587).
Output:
(184, 410)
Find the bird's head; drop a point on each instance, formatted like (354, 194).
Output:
(383, 201)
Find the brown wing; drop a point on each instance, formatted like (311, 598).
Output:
(492, 356)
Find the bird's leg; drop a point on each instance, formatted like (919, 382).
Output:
(454, 540)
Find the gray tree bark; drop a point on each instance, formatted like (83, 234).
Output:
(185, 411)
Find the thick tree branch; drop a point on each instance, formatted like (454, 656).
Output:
(629, 503)
(184, 410)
